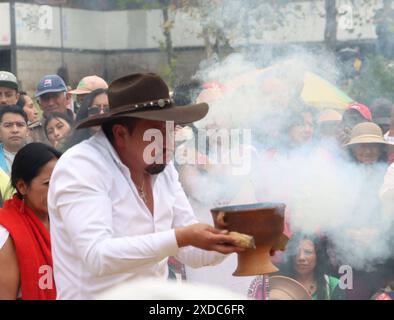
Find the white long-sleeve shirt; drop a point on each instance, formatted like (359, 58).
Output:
(387, 192)
(102, 232)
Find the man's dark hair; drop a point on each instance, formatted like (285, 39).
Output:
(107, 127)
(12, 109)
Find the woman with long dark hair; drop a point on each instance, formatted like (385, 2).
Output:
(58, 127)
(25, 247)
(307, 263)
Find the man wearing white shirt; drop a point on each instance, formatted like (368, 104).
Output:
(116, 216)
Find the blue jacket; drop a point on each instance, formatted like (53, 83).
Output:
(3, 161)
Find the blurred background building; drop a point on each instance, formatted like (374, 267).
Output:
(110, 38)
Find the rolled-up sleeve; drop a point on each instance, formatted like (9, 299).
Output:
(83, 204)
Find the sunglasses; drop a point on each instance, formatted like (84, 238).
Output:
(96, 109)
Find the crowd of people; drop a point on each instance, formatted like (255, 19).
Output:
(82, 211)
(301, 142)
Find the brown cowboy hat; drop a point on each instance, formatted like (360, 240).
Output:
(284, 288)
(144, 96)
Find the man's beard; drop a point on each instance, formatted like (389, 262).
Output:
(158, 166)
(154, 169)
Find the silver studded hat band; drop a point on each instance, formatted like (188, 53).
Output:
(161, 103)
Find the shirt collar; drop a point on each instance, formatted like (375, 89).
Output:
(7, 152)
(102, 140)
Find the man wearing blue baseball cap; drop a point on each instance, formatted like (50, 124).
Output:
(52, 95)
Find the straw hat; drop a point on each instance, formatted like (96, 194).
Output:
(284, 288)
(366, 132)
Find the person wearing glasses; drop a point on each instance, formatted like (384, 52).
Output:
(13, 134)
(94, 103)
(85, 86)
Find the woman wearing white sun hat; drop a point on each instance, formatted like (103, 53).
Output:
(368, 148)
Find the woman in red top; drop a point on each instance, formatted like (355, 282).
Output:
(25, 249)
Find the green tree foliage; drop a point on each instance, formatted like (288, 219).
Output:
(375, 80)
(167, 7)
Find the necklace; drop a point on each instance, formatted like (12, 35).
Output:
(312, 288)
(309, 286)
(141, 191)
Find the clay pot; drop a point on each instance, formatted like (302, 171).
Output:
(263, 221)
